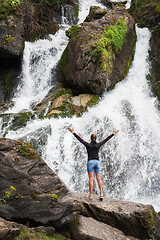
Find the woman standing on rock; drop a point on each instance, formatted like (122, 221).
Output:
(93, 164)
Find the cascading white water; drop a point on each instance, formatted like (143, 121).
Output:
(39, 60)
(130, 161)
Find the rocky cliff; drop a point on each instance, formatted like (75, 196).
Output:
(147, 14)
(31, 193)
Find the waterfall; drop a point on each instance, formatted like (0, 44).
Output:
(130, 161)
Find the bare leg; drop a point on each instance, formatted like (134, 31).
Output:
(98, 177)
(91, 174)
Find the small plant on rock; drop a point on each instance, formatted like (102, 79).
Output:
(26, 150)
(8, 39)
(8, 194)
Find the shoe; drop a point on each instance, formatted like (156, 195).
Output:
(101, 198)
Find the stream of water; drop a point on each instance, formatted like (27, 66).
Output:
(130, 161)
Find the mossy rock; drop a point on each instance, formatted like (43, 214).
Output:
(45, 233)
(27, 151)
(95, 13)
(73, 31)
(20, 120)
(100, 52)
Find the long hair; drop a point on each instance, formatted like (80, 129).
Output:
(93, 137)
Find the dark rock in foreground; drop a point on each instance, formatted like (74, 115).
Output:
(132, 219)
(30, 192)
(39, 190)
(91, 229)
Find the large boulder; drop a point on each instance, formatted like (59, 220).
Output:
(131, 219)
(100, 50)
(30, 190)
(91, 229)
(147, 14)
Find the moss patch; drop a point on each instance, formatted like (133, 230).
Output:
(72, 31)
(20, 120)
(93, 101)
(26, 150)
(26, 233)
(63, 91)
(148, 221)
(54, 196)
(138, 6)
(109, 44)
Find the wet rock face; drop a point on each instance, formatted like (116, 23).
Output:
(147, 14)
(96, 58)
(155, 60)
(11, 37)
(35, 192)
(11, 50)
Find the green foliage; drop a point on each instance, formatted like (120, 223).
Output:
(26, 150)
(20, 120)
(63, 91)
(8, 7)
(115, 35)
(138, 4)
(93, 101)
(52, 195)
(109, 44)
(157, 4)
(27, 234)
(8, 39)
(72, 31)
(8, 194)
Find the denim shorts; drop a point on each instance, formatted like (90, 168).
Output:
(93, 166)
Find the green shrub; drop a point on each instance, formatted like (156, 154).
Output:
(7, 7)
(109, 44)
(8, 39)
(10, 194)
(26, 150)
